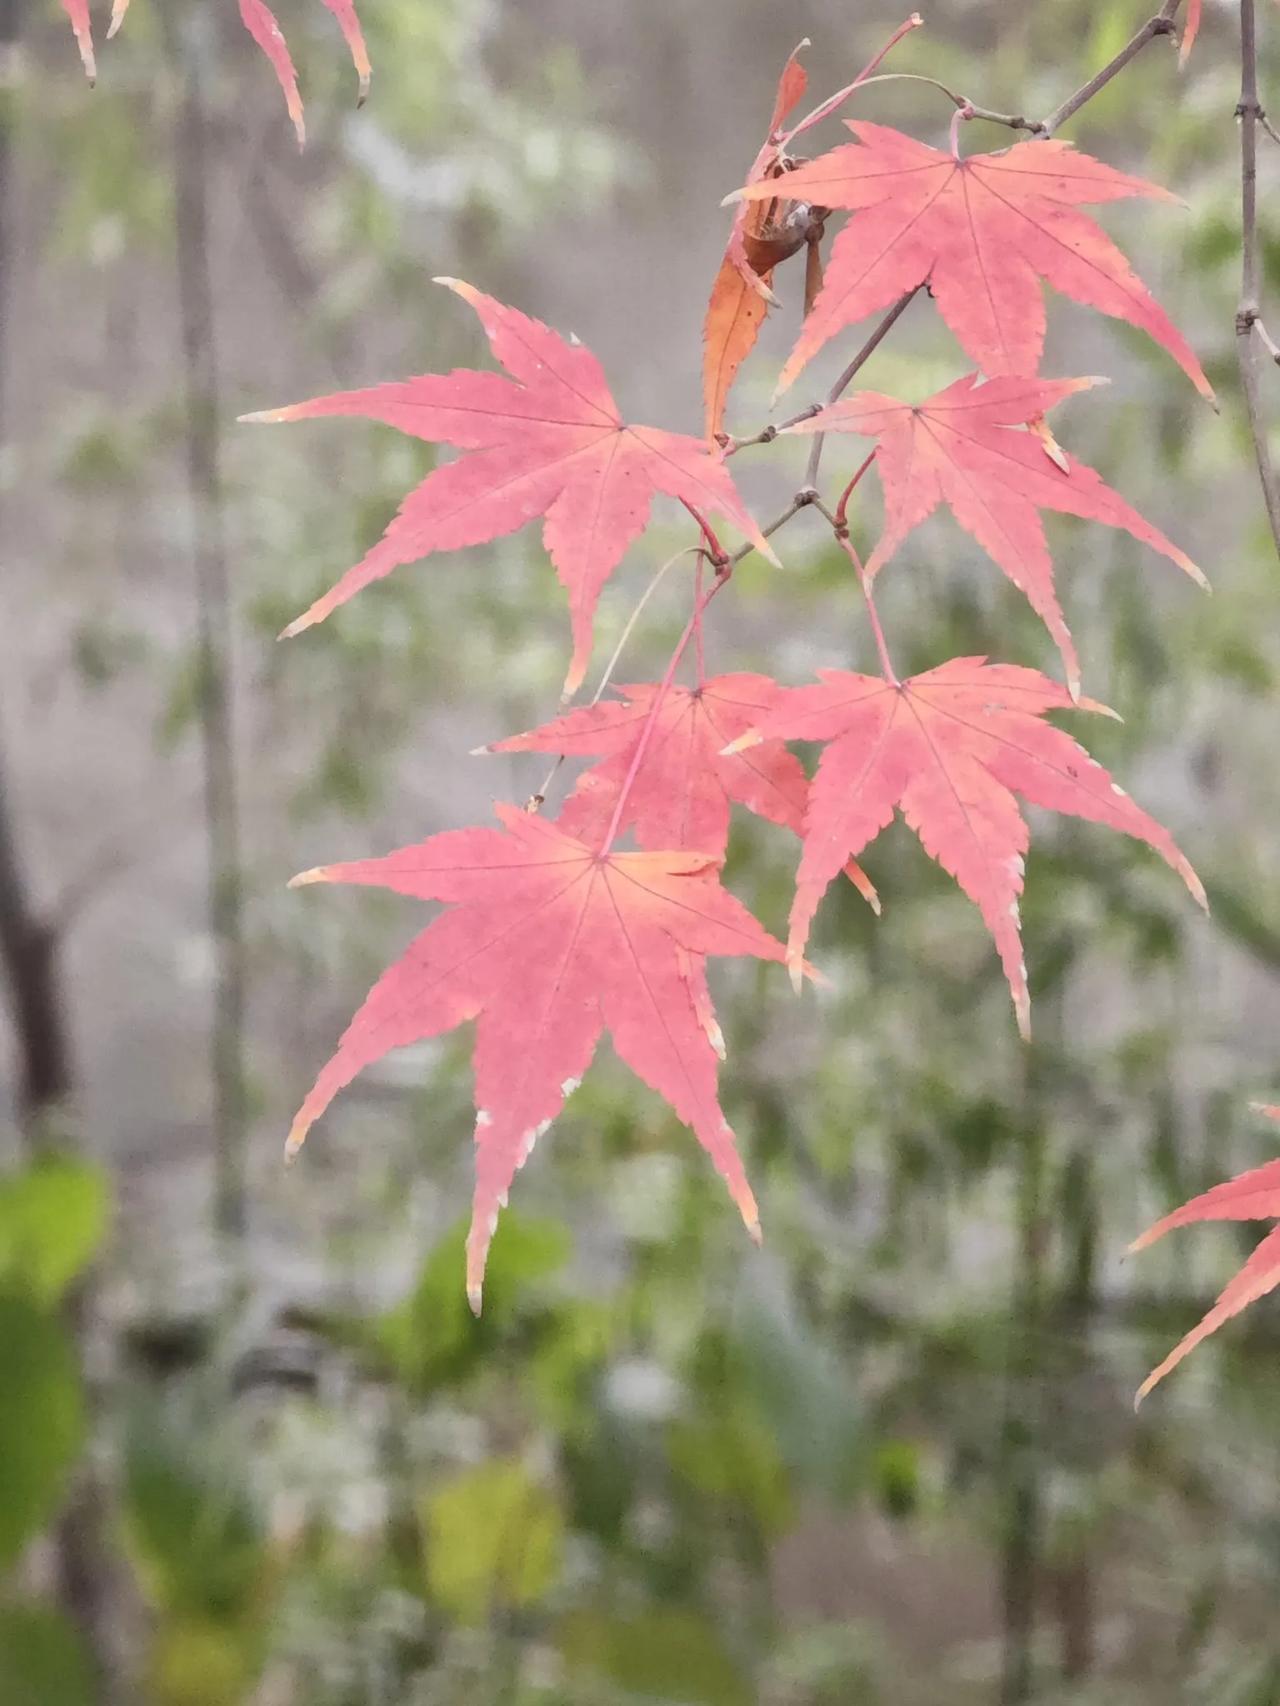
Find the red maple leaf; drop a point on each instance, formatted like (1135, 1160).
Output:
(680, 796)
(260, 21)
(1254, 1195)
(549, 441)
(1190, 30)
(547, 945)
(82, 28)
(950, 749)
(981, 231)
(967, 447)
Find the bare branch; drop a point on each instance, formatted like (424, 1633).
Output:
(850, 373)
(1162, 24)
(1249, 332)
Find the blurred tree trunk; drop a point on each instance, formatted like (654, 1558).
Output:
(1022, 1515)
(30, 947)
(191, 38)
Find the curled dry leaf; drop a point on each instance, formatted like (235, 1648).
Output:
(969, 447)
(741, 293)
(549, 441)
(546, 945)
(952, 750)
(981, 231)
(1254, 1195)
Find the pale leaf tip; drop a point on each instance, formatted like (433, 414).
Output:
(458, 286)
(756, 1233)
(295, 1140)
(795, 969)
(1198, 575)
(317, 874)
(480, 751)
(1270, 1109)
(749, 738)
(475, 1298)
(263, 417)
(733, 197)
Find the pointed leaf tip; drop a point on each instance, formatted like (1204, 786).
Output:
(317, 874)
(475, 1299)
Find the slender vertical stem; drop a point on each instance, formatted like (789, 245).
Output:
(650, 722)
(847, 377)
(864, 581)
(1249, 311)
(842, 508)
(716, 550)
(214, 646)
(697, 622)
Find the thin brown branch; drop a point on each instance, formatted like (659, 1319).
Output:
(847, 377)
(1011, 121)
(1249, 337)
(1162, 24)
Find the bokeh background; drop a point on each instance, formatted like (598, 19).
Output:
(253, 1449)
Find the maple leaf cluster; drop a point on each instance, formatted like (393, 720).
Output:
(261, 23)
(553, 934)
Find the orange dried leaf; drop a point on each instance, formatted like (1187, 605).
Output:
(740, 295)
